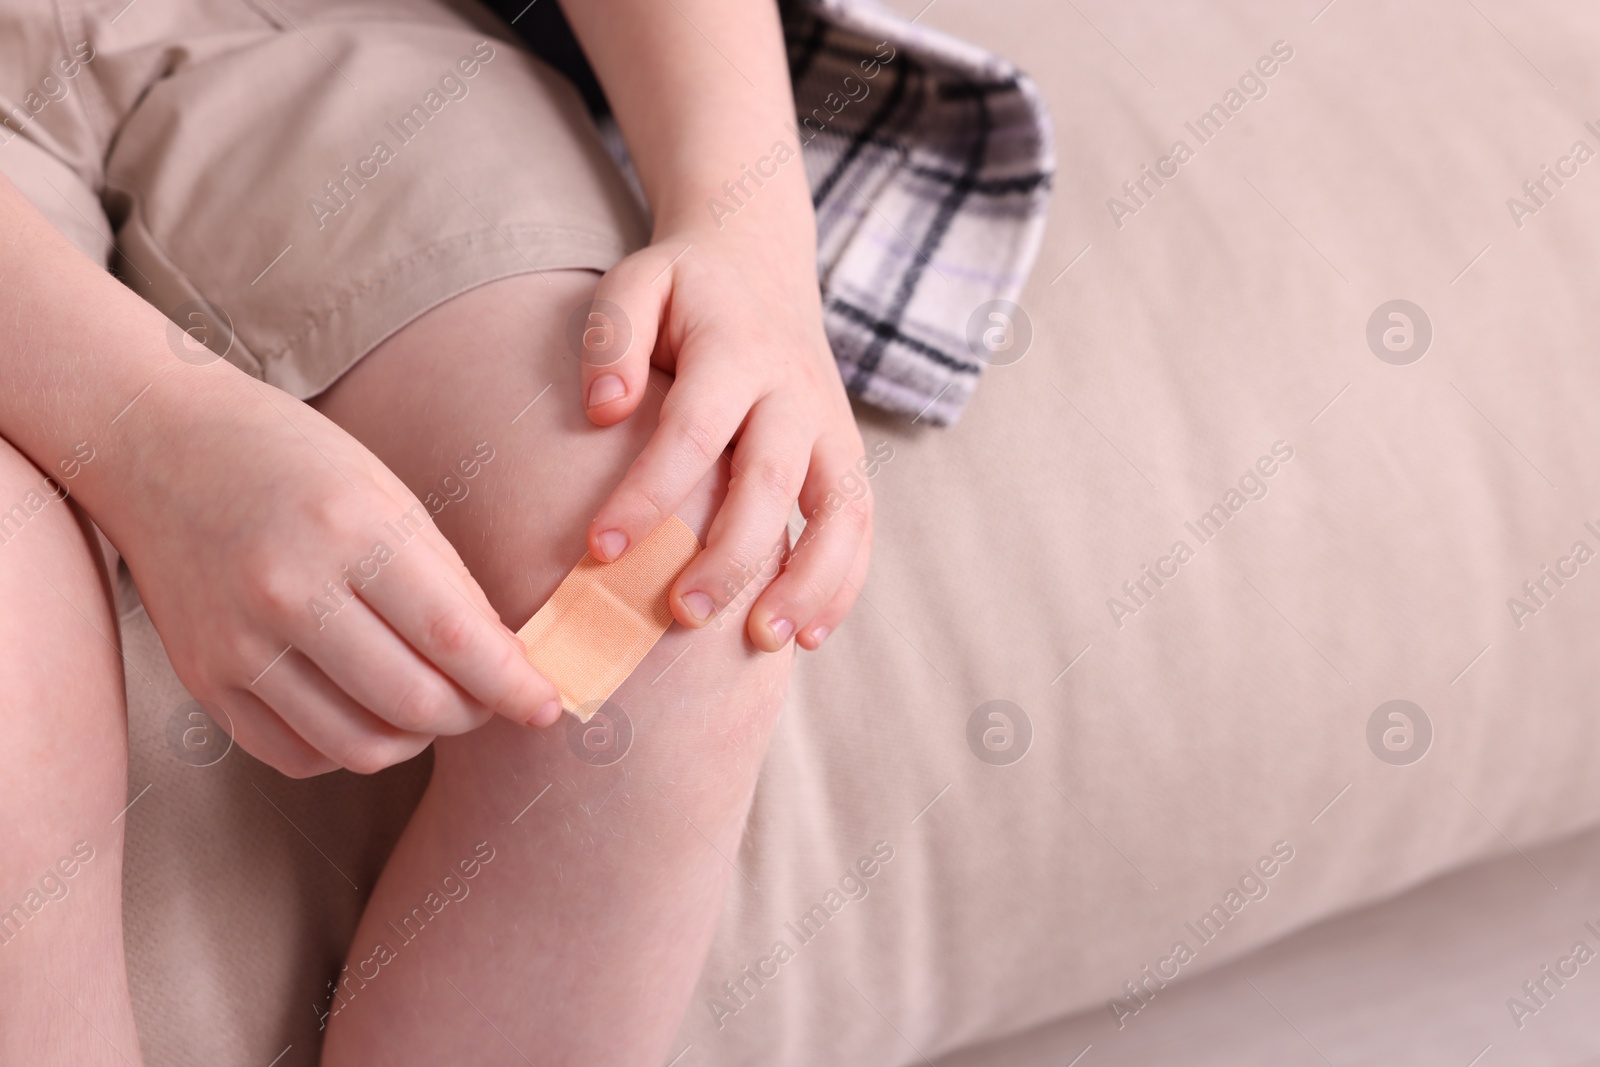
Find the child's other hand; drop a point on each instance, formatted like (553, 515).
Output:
(296, 582)
(735, 315)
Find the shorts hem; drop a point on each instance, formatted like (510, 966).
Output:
(371, 311)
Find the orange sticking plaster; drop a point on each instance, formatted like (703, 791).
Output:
(605, 617)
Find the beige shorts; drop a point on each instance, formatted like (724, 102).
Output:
(294, 180)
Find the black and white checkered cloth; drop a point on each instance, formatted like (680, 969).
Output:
(930, 165)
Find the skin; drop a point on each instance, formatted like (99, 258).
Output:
(726, 409)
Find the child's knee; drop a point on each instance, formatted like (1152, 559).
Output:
(717, 689)
(525, 530)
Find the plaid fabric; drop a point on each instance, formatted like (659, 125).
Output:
(930, 163)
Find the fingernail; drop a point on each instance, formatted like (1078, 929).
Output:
(819, 634)
(547, 714)
(613, 543)
(699, 605)
(605, 389)
(781, 629)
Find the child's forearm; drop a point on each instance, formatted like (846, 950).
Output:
(76, 349)
(701, 91)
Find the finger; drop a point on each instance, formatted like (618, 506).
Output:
(329, 721)
(416, 517)
(769, 467)
(421, 596)
(838, 509)
(380, 672)
(258, 730)
(828, 619)
(698, 417)
(618, 333)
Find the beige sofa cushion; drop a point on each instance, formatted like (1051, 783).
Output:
(1395, 984)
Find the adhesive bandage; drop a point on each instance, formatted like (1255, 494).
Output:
(604, 617)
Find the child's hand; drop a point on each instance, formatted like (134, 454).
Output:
(735, 314)
(249, 522)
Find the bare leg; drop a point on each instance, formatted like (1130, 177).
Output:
(63, 778)
(579, 941)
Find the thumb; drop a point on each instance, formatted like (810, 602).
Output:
(619, 333)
